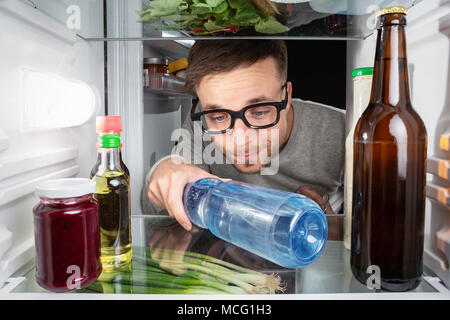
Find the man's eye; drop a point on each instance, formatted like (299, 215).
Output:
(259, 113)
(218, 118)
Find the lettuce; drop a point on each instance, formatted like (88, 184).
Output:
(271, 26)
(161, 8)
(209, 16)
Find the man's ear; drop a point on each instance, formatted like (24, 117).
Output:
(289, 87)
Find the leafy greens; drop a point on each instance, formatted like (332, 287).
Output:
(209, 16)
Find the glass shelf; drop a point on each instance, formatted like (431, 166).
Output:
(306, 19)
(331, 273)
(166, 85)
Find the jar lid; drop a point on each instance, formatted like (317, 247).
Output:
(65, 188)
(163, 61)
(108, 124)
(368, 71)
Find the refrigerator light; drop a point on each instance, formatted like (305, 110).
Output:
(52, 101)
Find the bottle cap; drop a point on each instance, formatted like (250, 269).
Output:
(367, 71)
(108, 124)
(390, 10)
(65, 188)
(110, 141)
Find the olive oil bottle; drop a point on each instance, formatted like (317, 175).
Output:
(113, 195)
(108, 125)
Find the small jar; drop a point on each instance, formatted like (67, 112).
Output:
(156, 65)
(67, 235)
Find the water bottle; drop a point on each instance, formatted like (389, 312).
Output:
(286, 228)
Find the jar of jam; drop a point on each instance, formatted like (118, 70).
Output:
(156, 65)
(67, 235)
(154, 71)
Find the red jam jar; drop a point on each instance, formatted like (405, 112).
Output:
(67, 234)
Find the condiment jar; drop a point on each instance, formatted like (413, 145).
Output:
(156, 65)
(67, 235)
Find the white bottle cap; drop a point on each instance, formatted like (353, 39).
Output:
(65, 188)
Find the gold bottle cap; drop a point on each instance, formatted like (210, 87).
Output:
(390, 10)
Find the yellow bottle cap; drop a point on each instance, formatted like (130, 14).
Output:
(390, 10)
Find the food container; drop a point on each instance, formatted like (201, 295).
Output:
(154, 66)
(67, 236)
(362, 87)
(178, 67)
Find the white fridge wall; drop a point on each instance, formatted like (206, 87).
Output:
(427, 35)
(33, 40)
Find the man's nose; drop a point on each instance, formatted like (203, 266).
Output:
(241, 132)
(239, 125)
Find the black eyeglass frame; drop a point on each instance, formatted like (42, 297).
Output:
(280, 105)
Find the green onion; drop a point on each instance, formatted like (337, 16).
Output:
(182, 272)
(223, 270)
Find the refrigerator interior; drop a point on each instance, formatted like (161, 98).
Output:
(94, 50)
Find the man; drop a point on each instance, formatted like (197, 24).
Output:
(252, 128)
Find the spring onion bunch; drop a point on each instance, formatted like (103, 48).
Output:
(179, 272)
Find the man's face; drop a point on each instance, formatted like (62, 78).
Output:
(248, 149)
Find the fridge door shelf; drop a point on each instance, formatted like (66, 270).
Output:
(443, 241)
(444, 142)
(439, 167)
(439, 194)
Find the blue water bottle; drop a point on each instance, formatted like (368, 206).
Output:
(286, 228)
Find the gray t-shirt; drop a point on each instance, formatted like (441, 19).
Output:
(313, 156)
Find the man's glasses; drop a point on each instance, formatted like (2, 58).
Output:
(256, 116)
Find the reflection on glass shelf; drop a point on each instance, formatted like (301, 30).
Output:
(313, 19)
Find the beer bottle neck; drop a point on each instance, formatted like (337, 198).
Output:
(390, 83)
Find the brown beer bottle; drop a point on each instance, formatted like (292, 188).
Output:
(390, 146)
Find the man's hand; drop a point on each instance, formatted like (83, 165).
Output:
(323, 203)
(335, 224)
(166, 187)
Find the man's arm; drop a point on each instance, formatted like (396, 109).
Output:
(164, 185)
(183, 152)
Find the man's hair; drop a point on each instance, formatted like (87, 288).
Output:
(216, 56)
